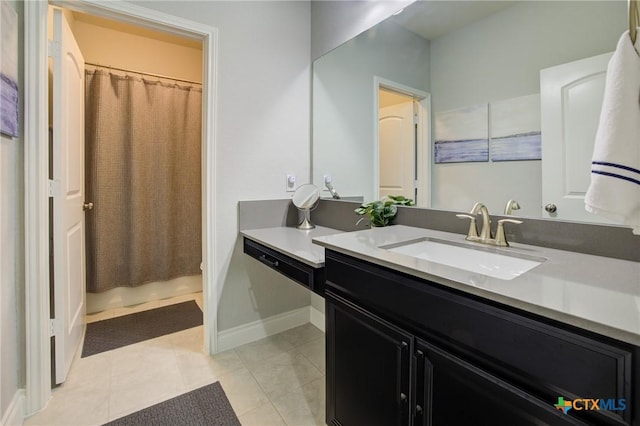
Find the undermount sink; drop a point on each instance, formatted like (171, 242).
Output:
(487, 261)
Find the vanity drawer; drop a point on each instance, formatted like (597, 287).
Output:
(549, 359)
(312, 278)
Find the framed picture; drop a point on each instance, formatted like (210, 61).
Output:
(9, 70)
(462, 135)
(515, 129)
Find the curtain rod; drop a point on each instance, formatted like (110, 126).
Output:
(143, 73)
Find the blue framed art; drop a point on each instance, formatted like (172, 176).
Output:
(515, 129)
(9, 70)
(462, 135)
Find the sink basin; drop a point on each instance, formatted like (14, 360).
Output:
(487, 261)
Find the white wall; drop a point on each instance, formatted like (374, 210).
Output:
(12, 337)
(343, 96)
(334, 22)
(262, 134)
(500, 57)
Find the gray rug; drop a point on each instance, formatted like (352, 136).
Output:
(204, 406)
(126, 330)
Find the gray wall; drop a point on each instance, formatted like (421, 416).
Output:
(343, 96)
(334, 22)
(262, 133)
(12, 331)
(500, 57)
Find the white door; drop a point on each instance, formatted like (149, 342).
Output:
(68, 182)
(396, 135)
(571, 98)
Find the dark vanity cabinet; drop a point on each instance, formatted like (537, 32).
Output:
(406, 351)
(450, 391)
(369, 363)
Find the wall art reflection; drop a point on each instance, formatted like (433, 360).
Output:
(462, 135)
(515, 129)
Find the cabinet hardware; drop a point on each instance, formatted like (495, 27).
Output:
(268, 262)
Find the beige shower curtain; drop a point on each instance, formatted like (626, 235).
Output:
(143, 178)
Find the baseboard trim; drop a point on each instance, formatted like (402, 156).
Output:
(256, 330)
(14, 416)
(316, 318)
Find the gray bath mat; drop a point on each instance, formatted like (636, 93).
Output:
(126, 330)
(207, 405)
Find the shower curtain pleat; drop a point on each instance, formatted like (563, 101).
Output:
(143, 167)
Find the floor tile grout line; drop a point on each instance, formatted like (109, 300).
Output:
(275, 408)
(284, 395)
(301, 385)
(279, 413)
(296, 344)
(268, 397)
(293, 349)
(151, 402)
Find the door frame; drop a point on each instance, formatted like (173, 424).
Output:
(36, 160)
(424, 136)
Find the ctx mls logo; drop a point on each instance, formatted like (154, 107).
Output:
(590, 404)
(563, 405)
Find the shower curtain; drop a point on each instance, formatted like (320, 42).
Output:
(142, 153)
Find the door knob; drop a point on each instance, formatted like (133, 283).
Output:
(551, 208)
(87, 206)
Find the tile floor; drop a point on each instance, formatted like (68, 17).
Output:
(279, 380)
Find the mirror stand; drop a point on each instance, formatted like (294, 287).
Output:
(306, 222)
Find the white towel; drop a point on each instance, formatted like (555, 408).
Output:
(614, 192)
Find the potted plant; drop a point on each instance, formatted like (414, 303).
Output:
(381, 212)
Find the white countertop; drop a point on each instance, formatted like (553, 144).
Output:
(293, 242)
(596, 293)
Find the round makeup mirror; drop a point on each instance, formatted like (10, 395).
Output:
(306, 199)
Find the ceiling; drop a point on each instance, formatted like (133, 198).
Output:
(432, 19)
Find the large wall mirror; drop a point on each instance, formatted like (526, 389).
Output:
(467, 72)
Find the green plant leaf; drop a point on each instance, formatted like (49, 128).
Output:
(381, 212)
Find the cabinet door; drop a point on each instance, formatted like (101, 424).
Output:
(368, 364)
(449, 391)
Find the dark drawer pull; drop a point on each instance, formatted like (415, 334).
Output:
(268, 262)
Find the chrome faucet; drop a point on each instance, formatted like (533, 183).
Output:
(486, 236)
(329, 185)
(510, 206)
(485, 233)
(333, 191)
